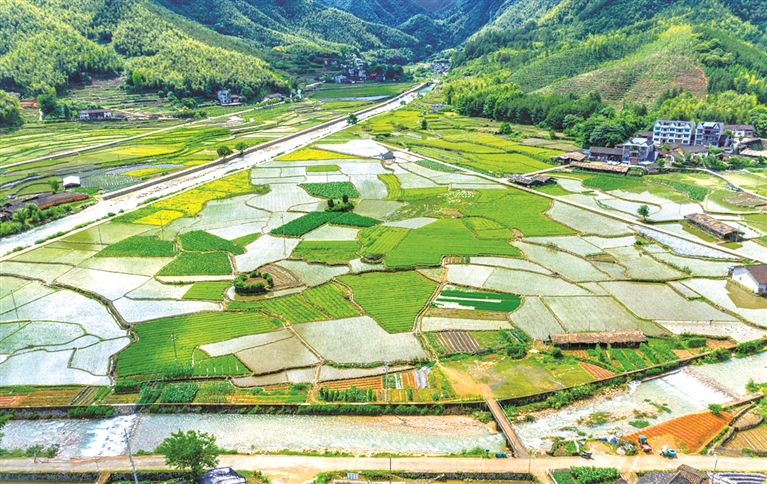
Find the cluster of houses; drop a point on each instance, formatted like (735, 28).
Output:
(355, 71)
(671, 139)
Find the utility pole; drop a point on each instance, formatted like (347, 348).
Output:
(173, 338)
(284, 242)
(15, 309)
(130, 456)
(386, 387)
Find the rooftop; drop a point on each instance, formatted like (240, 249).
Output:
(758, 272)
(603, 337)
(711, 224)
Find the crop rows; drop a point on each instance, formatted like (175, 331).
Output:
(332, 298)
(201, 241)
(313, 220)
(208, 290)
(327, 251)
(332, 190)
(139, 246)
(198, 264)
(482, 300)
(381, 239)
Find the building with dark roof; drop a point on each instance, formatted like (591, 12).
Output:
(714, 226)
(223, 475)
(684, 474)
(709, 134)
(614, 338)
(606, 154)
(740, 130)
(532, 181)
(753, 278)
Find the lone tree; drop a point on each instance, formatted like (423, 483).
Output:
(345, 198)
(241, 147)
(505, 128)
(643, 211)
(351, 119)
(424, 124)
(223, 151)
(55, 185)
(190, 452)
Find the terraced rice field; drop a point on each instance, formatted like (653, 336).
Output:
(754, 439)
(693, 431)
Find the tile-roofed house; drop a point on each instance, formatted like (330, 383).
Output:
(709, 133)
(714, 226)
(604, 167)
(753, 278)
(606, 154)
(658, 478)
(614, 338)
(684, 474)
(223, 475)
(692, 475)
(569, 157)
(740, 130)
(95, 114)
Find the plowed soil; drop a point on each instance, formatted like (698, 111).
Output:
(596, 371)
(693, 431)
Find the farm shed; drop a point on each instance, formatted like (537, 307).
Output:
(753, 278)
(223, 475)
(532, 181)
(614, 338)
(95, 114)
(714, 226)
(606, 154)
(604, 167)
(569, 157)
(42, 202)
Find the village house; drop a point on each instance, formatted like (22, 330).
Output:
(639, 151)
(606, 154)
(754, 154)
(714, 226)
(95, 114)
(740, 130)
(71, 182)
(684, 474)
(673, 132)
(225, 98)
(532, 181)
(42, 202)
(569, 157)
(710, 134)
(342, 79)
(618, 168)
(277, 96)
(754, 278)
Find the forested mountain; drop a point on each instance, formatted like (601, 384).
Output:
(387, 12)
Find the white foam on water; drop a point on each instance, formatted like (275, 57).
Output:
(692, 389)
(107, 438)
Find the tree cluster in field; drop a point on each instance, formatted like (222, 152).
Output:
(351, 394)
(243, 288)
(344, 206)
(30, 216)
(10, 111)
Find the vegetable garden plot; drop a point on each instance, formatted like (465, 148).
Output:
(108, 233)
(332, 190)
(381, 239)
(570, 266)
(139, 311)
(235, 345)
(732, 298)
(393, 299)
(279, 355)
(313, 274)
(529, 283)
(642, 266)
(586, 222)
(695, 267)
(694, 430)
(359, 341)
(379, 209)
(201, 241)
(329, 252)
(569, 243)
(265, 250)
(140, 266)
(45, 368)
(198, 264)
(430, 323)
(591, 313)
(610, 242)
(327, 232)
(509, 263)
(95, 358)
(40, 333)
(44, 272)
(111, 285)
(281, 198)
(457, 342)
(427, 246)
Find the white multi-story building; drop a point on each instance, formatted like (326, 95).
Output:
(673, 132)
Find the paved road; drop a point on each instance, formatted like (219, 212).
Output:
(131, 201)
(285, 469)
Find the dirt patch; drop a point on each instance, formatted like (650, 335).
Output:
(746, 200)
(719, 343)
(682, 353)
(13, 401)
(596, 371)
(692, 432)
(283, 278)
(463, 384)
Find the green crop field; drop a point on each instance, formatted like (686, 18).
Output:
(381, 239)
(322, 168)
(332, 190)
(328, 301)
(154, 351)
(201, 241)
(333, 298)
(426, 246)
(312, 220)
(393, 299)
(517, 210)
(198, 264)
(329, 252)
(208, 290)
(139, 246)
(315, 154)
(607, 183)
